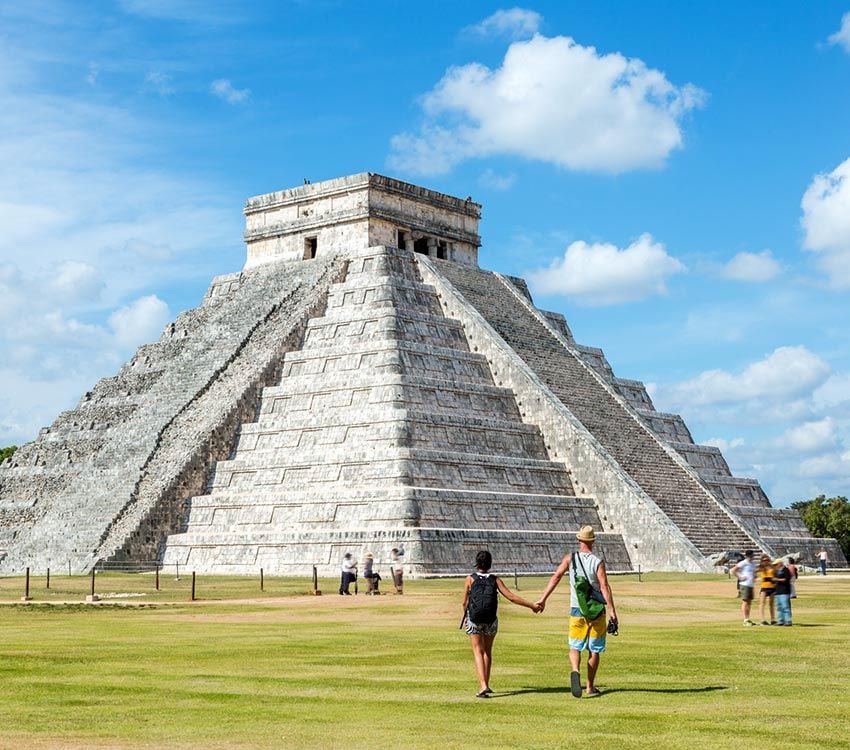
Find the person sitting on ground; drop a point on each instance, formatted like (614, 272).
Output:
(480, 605)
(397, 563)
(587, 630)
(745, 571)
(782, 592)
(368, 574)
(766, 572)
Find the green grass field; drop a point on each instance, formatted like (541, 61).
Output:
(281, 669)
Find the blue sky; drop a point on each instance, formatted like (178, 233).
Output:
(673, 177)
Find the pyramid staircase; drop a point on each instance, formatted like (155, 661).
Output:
(109, 476)
(690, 483)
(386, 430)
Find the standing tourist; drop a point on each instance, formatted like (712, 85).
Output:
(782, 595)
(745, 572)
(397, 569)
(766, 589)
(589, 588)
(823, 559)
(348, 574)
(480, 605)
(792, 568)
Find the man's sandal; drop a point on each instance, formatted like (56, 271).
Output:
(575, 684)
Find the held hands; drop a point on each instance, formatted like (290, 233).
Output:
(539, 606)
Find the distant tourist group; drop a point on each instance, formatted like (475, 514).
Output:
(775, 581)
(348, 573)
(590, 598)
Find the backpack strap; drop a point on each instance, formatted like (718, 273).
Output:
(578, 554)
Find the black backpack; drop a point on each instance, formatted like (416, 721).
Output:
(482, 603)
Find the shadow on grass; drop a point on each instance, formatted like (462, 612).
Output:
(608, 691)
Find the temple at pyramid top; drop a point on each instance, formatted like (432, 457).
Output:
(359, 211)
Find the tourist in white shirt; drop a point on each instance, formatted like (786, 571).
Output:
(349, 574)
(745, 571)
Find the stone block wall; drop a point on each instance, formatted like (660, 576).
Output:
(385, 427)
(73, 495)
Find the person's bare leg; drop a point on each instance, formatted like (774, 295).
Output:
(592, 666)
(488, 658)
(745, 609)
(575, 659)
(762, 597)
(772, 610)
(481, 668)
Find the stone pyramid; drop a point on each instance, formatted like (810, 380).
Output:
(363, 385)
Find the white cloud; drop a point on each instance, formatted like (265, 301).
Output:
(842, 36)
(785, 373)
(834, 395)
(725, 445)
(752, 267)
(603, 274)
(810, 437)
(75, 281)
(91, 221)
(91, 76)
(516, 23)
(224, 90)
(552, 100)
(834, 465)
(490, 180)
(140, 321)
(826, 222)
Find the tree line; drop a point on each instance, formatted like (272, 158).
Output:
(827, 517)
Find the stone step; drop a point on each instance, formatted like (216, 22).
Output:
(431, 551)
(383, 293)
(738, 491)
(619, 431)
(706, 459)
(400, 465)
(395, 427)
(306, 394)
(390, 356)
(385, 324)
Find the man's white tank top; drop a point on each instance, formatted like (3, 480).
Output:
(591, 563)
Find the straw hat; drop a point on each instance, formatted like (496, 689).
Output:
(779, 561)
(586, 534)
(369, 555)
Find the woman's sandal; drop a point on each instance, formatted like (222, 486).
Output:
(483, 693)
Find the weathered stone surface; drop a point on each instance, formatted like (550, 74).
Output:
(341, 394)
(385, 429)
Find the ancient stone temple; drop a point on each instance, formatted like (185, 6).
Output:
(363, 384)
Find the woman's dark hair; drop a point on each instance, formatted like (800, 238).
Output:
(483, 560)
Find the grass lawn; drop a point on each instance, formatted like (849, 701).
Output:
(280, 669)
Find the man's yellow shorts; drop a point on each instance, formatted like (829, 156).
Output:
(587, 635)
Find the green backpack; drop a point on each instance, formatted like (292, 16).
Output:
(591, 602)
